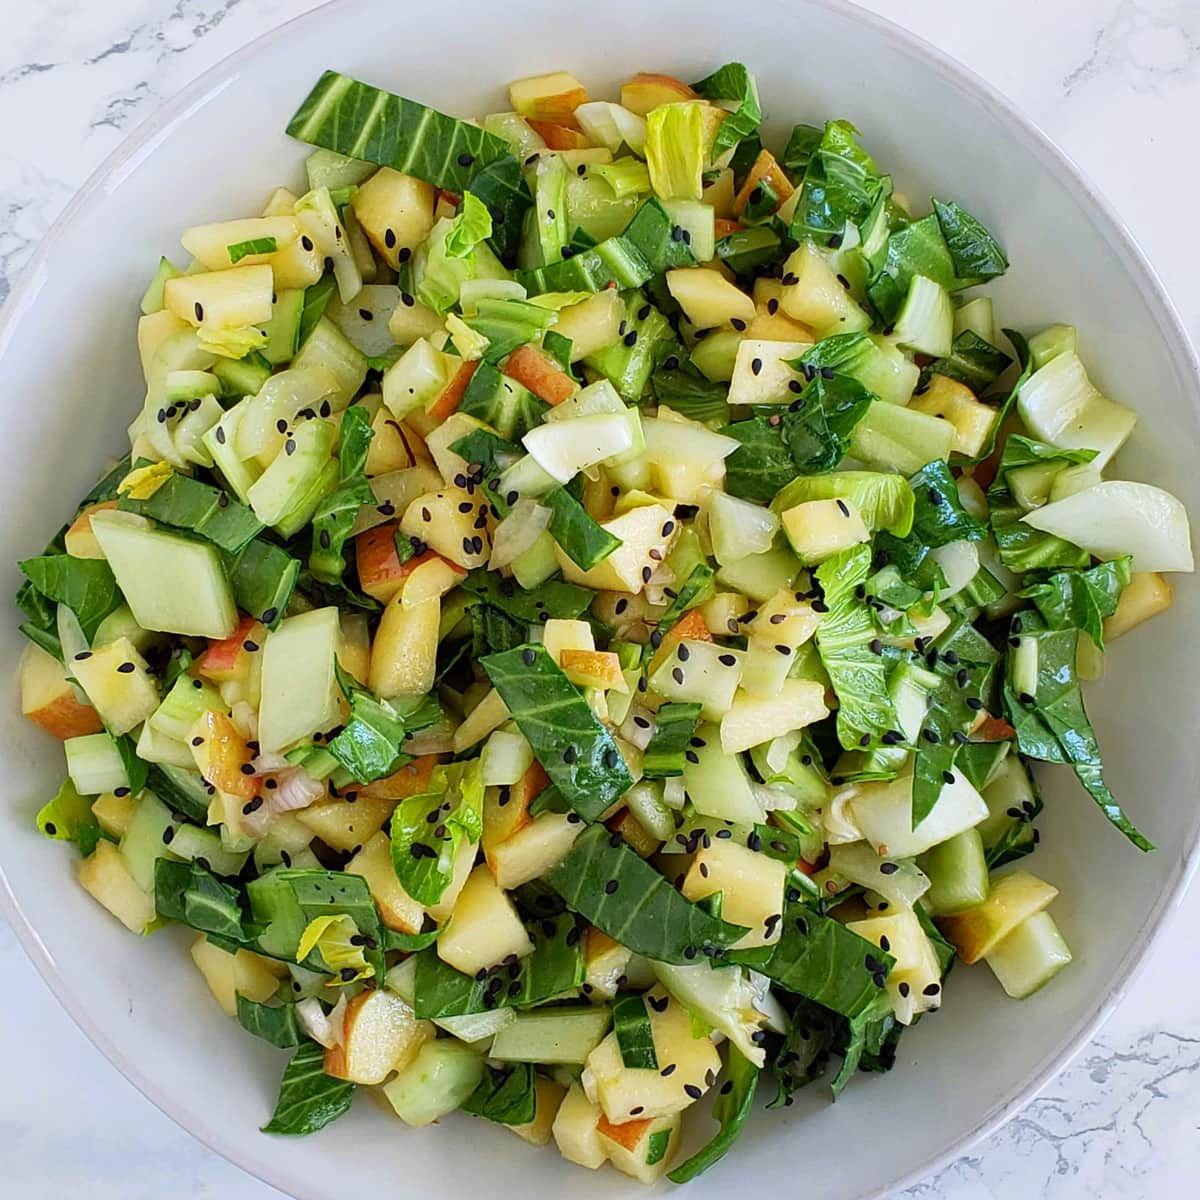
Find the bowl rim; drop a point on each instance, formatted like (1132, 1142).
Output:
(155, 128)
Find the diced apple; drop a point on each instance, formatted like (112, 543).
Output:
(784, 620)
(575, 1129)
(643, 1150)
(79, 539)
(430, 581)
(819, 529)
(410, 780)
(592, 324)
(553, 97)
(48, 699)
(703, 672)
(346, 824)
(636, 835)
(559, 634)
(548, 1096)
(541, 374)
(489, 714)
(113, 813)
(485, 928)
(222, 756)
(754, 720)
(1147, 595)
(691, 627)
(381, 574)
(506, 809)
(210, 244)
(395, 212)
(380, 1035)
(106, 878)
(647, 90)
(438, 520)
(222, 299)
(559, 137)
(534, 849)
(594, 669)
(813, 295)
(1012, 899)
(605, 961)
(644, 544)
(392, 445)
(119, 685)
(230, 658)
(299, 264)
(764, 171)
(152, 331)
(973, 421)
(707, 298)
(397, 909)
(625, 1093)
(751, 884)
(354, 645)
(404, 653)
(914, 983)
(231, 975)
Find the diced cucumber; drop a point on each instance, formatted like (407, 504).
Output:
(560, 1035)
(327, 168)
(156, 747)
(147, 840)
(1024, 668)
(716, 356)
(283, 329)
(698, 221)
(977, 316)
(171, 583)
(958, 874)
(326, 346)
(192, 842)
(1011, 801)
(242, 376)
(183, 705)
(299, 689)
(900, 883)
(220, 441)
(1030, 486)
(926, 321)
(760, 576)
(94, 764)
(435, 1083)
(537, 564)
(892, 438)
(564, 448)
(718, 783)
(285, 483)
(1030, 956)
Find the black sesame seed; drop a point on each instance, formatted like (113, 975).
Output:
(127, 668)
(727, 660)
(677, 675)
(974, 703)
(756, 365)
(903, 989)
(693, 1091)
(931, 989)
(888, 868)
(948, 776)
(269, 615)
(570, 754)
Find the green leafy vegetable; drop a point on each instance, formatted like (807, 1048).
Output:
(506, 1095)
(424, 851)
(653, 232)
(1082, 599)
(335, 515)
(820, 959)
(365, 122)
(68, 818)
(576, 750)
(866, 1033)
(804, 1056)
(262, 245)
(192, 894)
(635, 1038)
(1052, 724)
(508, 324)
(975, 253)
(316, 300)
(263, 577)
(273, 1023)
(502, 188)
(1023, 548)
(732, 83)
(308, 1098)
(884, 501)
(616, 261)
(818, 433)
(840, 185)
(629, 900)
(186, 503)
(674, 726)
(582, 539)
(680, 387)
(762, 464)
(858, 675)
(550, 599)
(732, 1108)
(85, 585)
(972, 362)
(696, 589)
(507, 406)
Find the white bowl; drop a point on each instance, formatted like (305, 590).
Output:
(70, 378)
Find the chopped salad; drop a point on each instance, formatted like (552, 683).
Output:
(573, 627)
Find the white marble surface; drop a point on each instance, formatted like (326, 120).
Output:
(1117, 83)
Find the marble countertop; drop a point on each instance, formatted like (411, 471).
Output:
(1117, 84)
